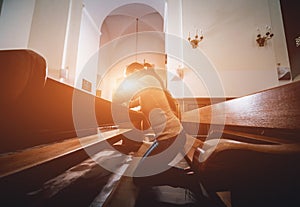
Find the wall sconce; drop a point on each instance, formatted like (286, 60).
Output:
(180, 72)
(262, 40)
(194, 42)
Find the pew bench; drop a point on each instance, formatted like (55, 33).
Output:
(18, 161)
(252, 147)
(40, 135)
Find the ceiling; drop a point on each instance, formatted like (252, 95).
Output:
(129, 19)
(100, 9)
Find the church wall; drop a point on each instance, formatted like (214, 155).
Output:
(230, 29)
(15, 23)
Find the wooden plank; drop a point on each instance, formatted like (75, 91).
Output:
(253, 137)
(273, 108)
(15, 162)
(187, 104)
(273, 113)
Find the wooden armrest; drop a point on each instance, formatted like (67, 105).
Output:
(224, 163)
(213, 147)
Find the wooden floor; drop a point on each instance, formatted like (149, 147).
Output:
(89, 184)
(63, 174)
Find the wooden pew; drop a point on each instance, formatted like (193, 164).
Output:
(47, 126)
(18, 161)
(252, 147)
(36, 109)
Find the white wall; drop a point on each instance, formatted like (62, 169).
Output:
(174, 46)
(48, 30)
(87, 61)
(279, 41)
(15, 23)
(69, 60)
(229, 29)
